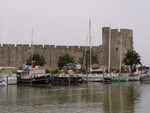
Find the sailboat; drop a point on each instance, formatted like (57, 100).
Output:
(95, 75)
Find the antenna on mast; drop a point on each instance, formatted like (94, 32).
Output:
(32, 37)
(90, 42)
(32, 60)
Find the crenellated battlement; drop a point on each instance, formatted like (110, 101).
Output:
(17, 54)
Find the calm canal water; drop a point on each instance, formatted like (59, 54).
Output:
(127, 97)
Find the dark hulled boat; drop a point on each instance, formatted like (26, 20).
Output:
(44, 79)
(33, 76)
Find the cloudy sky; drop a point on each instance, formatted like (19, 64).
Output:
(65, 22)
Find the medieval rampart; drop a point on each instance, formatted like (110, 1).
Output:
(17, 55)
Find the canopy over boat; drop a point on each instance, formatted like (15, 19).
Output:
(26, 68)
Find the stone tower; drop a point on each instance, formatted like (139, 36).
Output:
(120, 42)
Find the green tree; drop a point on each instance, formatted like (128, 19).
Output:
(85, 60)
(132, 59)
(54, 71)
(65, 59)
(39, 59)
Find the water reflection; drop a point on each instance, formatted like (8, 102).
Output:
(118, 97)
(126, 97)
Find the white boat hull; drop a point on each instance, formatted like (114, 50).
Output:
(92, 78)
(10, 80)
(134, 77)
(2, 83)
(145, 77)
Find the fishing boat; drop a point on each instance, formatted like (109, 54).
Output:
(33, 75)
(36, 79)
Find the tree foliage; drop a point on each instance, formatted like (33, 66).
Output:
(54, 71)
(85, 60)
(132, 58)
(39, 59)
(65, 59)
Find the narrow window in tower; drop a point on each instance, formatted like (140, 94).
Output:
(116, 48)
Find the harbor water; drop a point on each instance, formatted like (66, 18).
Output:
(117, 97)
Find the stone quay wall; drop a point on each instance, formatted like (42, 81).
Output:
(16, 55)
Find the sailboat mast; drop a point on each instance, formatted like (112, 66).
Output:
(120, 53)
(90, 41)
(109, 49)
(32, 45)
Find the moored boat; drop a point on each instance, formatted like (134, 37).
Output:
(95, 76)
(2, 83)
(92, 79)
(145, 77)
(44, 79)
(10, 79)
(119, 79)
(134, 77)
(106, 79)
(33, 76)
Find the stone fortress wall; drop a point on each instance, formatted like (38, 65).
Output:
(16, 55)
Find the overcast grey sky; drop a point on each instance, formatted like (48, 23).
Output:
(65, 22)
